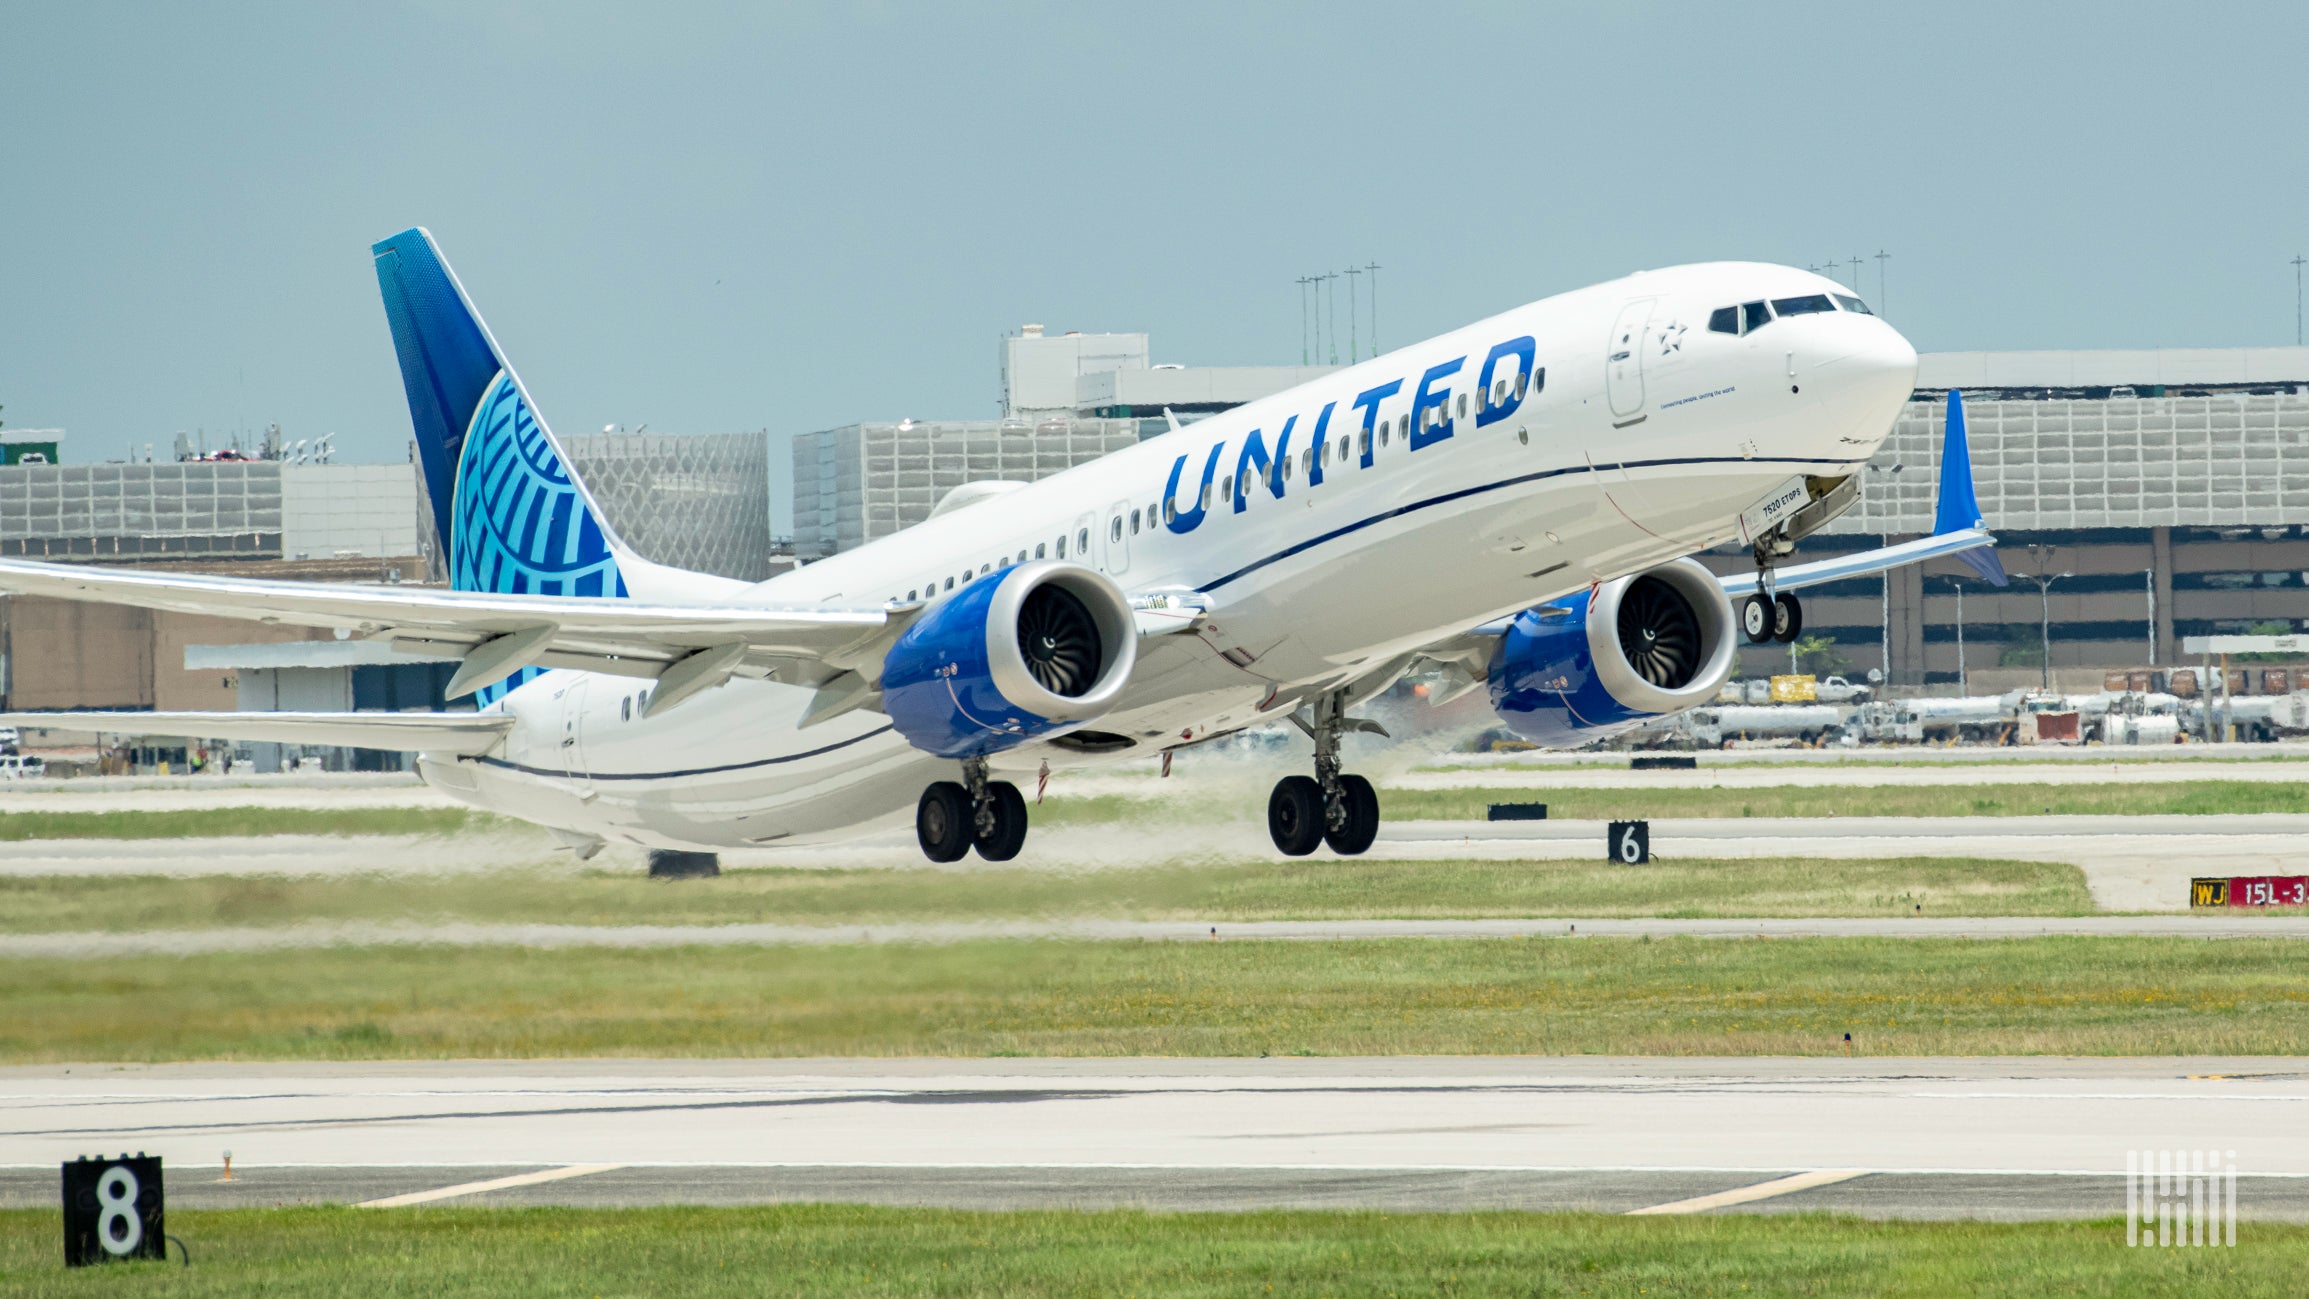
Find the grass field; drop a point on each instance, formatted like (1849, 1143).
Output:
(1555, 996)
(1275, 890)
(214, 822)
(844, 1250)
(2196, 797)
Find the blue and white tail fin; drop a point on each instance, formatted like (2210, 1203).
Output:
(1958, 508)
(508, 514)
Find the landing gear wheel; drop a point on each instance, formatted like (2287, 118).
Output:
(1008, 834)
(1295, 815)
(1359, 824)
(1787, 618)
(1756, 619)
(943, 821)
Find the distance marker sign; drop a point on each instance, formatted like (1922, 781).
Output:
(112, 1210)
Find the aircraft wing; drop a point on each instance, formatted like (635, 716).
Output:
(468, 733)
(686, 647)
(1798, 576)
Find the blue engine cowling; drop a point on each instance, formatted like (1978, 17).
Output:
(1023, 653)
(1634, 649)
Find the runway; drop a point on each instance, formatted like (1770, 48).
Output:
(1990, 1138)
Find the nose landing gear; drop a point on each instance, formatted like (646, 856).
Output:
(1771, 614)
(1333, 807)
(954, 817)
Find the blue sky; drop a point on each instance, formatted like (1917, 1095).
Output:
(711, 217)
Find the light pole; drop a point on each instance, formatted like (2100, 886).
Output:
(1353, 346)
(2044, 596)
(1962, 686)
(1373, 267)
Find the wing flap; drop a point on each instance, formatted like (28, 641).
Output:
(461, 733)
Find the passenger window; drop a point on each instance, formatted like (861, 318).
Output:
(625, 709)
(1382, 435)
(913, 595)
(984, 569)
(1170, 511)
(1463, 405)
(1283, 468)
(1806, 305)
(1206, 496)
(1754, 316)
(950, 584)
(1724, 320)
(1117, 529)
(1021, 556)
(1307, 460)
(1403, 426)
(1850, 303)
(1062, 547)
(1134, 523)
(1082, 541)
(1539, 381)
(1499, 393)
(1522, 381)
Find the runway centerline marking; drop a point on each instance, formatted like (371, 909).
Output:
(493, 1184)
(1760, 1191)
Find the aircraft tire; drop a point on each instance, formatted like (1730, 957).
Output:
(1787, 618)
(1354, 838)
(1009, 833)
(943, 822)
(1295, 815)
(1756, 619)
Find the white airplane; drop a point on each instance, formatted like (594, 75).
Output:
(1515, 502)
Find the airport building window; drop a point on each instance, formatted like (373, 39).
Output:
(1809, 304)
(1724, 320)
(1850, 303)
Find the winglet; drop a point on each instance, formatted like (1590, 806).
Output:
(1959, 506)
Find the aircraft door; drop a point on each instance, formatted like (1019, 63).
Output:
(1118, 539)
(1624, 361)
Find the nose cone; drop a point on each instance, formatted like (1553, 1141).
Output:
(1865, 372)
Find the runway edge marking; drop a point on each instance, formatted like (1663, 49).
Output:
(493, 1184)
(1750, 1194)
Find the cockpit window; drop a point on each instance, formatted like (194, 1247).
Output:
(1746, 318)
(1850, 303)
(1804, 306)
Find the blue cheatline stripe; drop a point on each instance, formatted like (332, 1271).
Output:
(669, 775)
(1448, 497)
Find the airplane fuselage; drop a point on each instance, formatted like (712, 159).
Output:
(1334, 530)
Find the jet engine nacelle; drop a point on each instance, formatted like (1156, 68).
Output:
(1634, 649)
(1016, 655)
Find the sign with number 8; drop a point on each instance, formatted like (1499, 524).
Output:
(112, 1210)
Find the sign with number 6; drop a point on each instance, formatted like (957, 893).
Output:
(1630, 842)
(112, 1210)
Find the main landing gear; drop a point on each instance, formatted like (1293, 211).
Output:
(1333, 807)
(954, 817)
(1771, 614)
